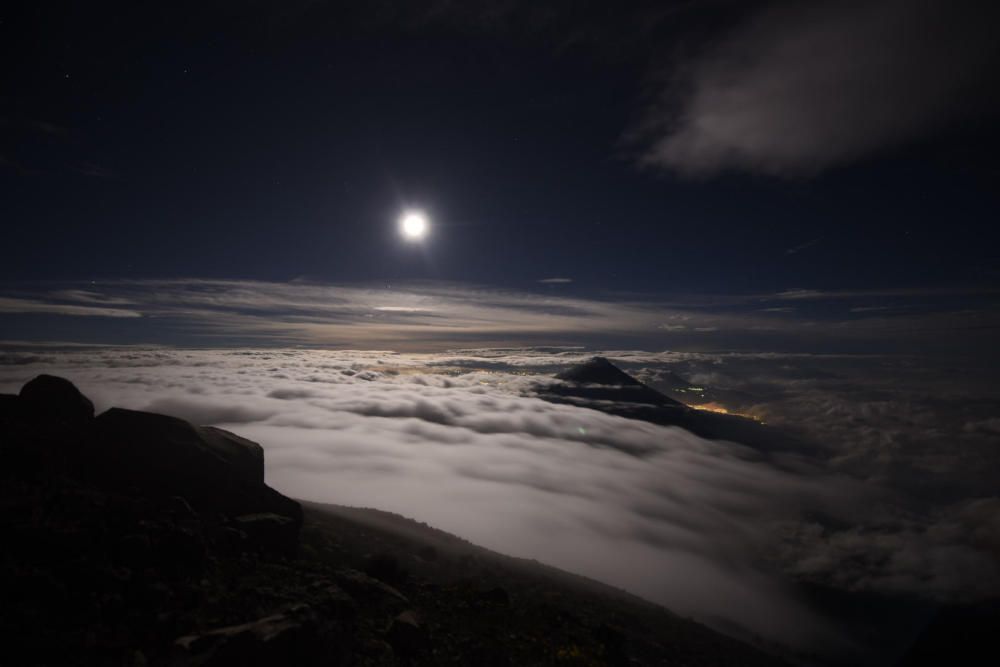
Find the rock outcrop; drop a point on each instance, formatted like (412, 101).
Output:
(119, 527)
(55, 399)
(157, 455)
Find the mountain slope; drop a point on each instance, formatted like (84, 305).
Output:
(483, 606)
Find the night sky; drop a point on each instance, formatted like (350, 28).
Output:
(782, 210)
(253, 141)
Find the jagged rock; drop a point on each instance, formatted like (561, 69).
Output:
(614, 643)
(179, 552)
(289, 638)
(57, 399)
(10, 407)
(337, 604)
(205, 445)
(180, 509)
(134, 550)
(363, 587)
(407, 635)
(495, 596)
(385, 567)
(270, 533)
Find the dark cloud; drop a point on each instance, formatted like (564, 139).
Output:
(802, 86)
(950, 555)
(904, 422)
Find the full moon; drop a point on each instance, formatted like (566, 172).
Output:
(413, 225)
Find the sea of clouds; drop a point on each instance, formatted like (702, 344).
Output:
(889, 495)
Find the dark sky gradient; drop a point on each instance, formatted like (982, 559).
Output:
(784, 209)
(247, 143)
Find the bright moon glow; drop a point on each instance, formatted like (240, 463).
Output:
(413, 225)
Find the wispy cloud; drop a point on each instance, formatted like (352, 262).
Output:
(14, 305)
(92, 170)
(431, 314)
(903, 293)
(555, 281)
(802, 294)
(803, 246)
(434, 316)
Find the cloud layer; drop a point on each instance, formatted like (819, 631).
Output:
(457, 439)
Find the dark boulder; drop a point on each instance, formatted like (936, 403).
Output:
(57, 399)
(367, 589)
(179, 552)
(41, 428)
(337, 605)
(179, 508)
(10, 407)
(386, 567)
(494, 596)
(149, 435)
(134, 550)
(270, 534)
(160, 456)
(408, 636)
(289, 638)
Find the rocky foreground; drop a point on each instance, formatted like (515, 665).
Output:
(139, 539)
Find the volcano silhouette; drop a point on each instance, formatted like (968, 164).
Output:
(600, 385)
(600, 380)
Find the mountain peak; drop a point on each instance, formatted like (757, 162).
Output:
(598, 370)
